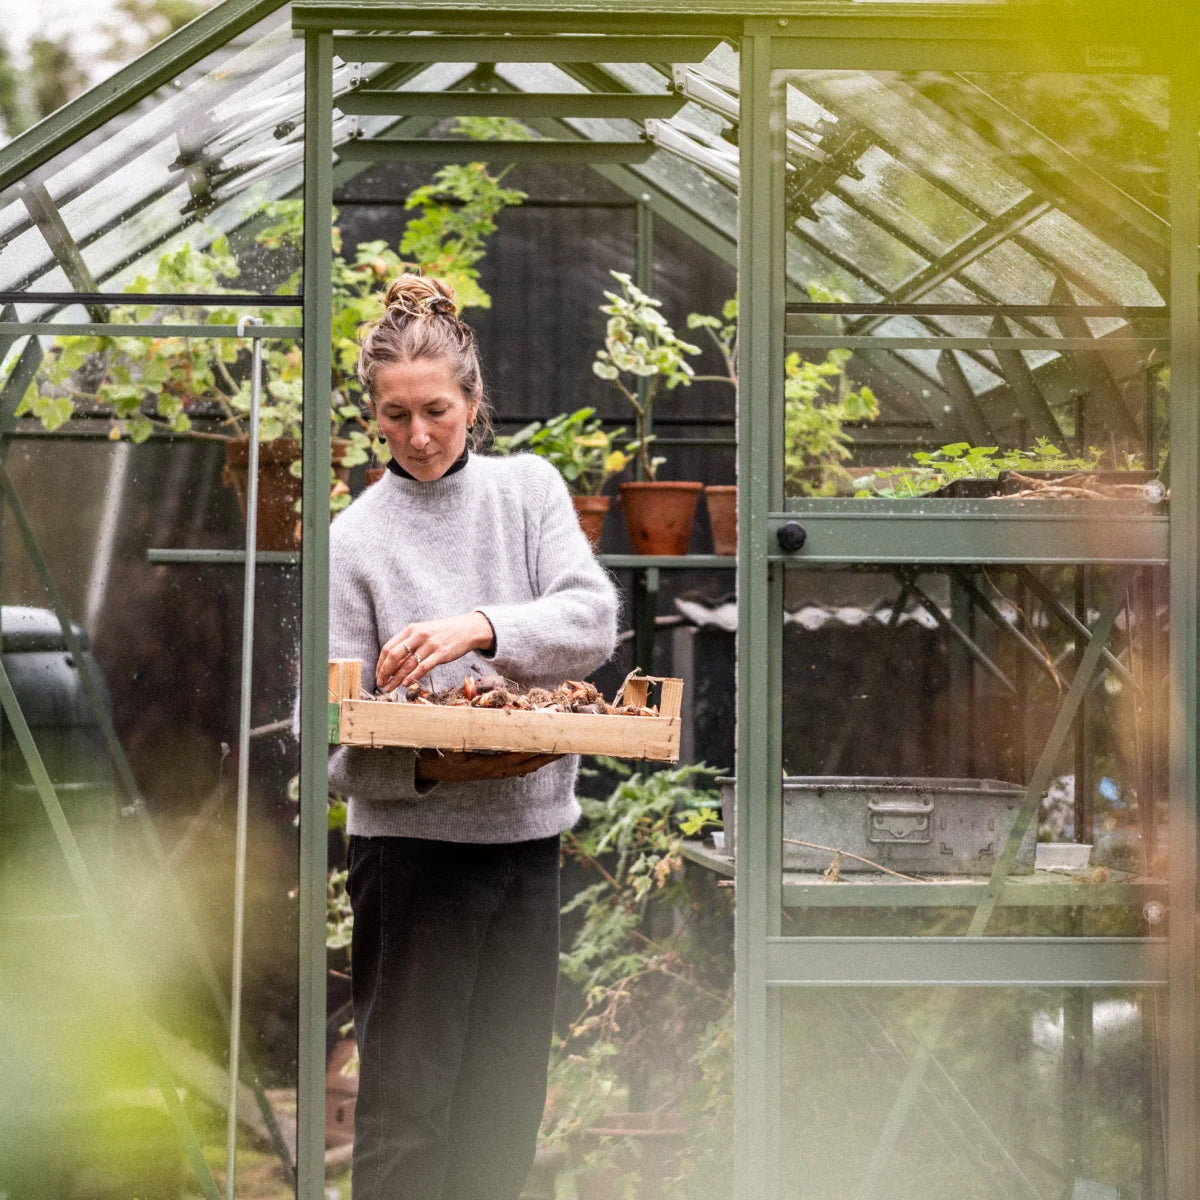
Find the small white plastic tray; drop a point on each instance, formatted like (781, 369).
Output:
(1061, 856)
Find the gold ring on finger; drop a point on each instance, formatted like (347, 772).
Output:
(407, 651)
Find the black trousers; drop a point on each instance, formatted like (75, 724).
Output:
(455, 965)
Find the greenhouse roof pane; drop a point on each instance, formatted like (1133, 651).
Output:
(899, 198)
(703, 192)
(888, 108)
(978, 376)
(1108, 127)
(24, 258)
(880, 258)
(146, 179)
(1069, 243)
(1014, 276)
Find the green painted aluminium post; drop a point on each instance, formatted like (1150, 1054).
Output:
(1182, 1166)
(314, 626)
(760, 276)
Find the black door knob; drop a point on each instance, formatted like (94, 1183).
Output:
(791, 536)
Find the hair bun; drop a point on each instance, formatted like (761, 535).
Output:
(420, 296)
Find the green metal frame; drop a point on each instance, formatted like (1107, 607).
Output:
(960, 532)
(773, 39)
(314, 647)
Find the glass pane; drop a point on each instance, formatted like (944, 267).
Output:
(918, 711)
(898, 197)
(136, 717)
(974, 200)
(177, 172)
(977, 1093)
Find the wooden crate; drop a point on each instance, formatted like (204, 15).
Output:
(459, 727)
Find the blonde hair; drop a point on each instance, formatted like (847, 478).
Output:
(420, 321)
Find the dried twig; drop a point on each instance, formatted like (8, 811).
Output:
(836, 851)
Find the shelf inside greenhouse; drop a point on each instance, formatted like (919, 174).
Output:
(810, 889)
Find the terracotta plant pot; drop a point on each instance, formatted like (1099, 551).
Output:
(659, 515)
(721, 501)
(278, 488)
(337, 449)
(341, 1095)
(591, 510)
(375, 474)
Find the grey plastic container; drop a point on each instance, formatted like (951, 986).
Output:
(926, 826)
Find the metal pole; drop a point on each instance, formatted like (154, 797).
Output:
(643, 243)
(314, 631)
(760, 627)
(249, 580)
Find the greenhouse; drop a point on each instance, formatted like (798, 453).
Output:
(886, 876)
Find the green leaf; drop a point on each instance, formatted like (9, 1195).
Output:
(139, 428)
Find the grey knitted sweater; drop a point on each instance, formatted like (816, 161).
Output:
(499, 536)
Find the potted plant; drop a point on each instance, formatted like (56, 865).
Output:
(818, 405)
(640, 344)
(633, 1090)
(583, 453)
(199, 387)
(960, 469)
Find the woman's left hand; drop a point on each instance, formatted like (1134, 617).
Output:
(416, 649)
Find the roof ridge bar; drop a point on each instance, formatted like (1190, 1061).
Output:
(377, 102)
(540, 150)
(445, 48)
(87, 112)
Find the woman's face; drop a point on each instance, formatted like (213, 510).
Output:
(422, 412)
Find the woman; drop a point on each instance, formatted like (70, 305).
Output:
(454, 564)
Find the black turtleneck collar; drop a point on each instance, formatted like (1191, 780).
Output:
(457, 465)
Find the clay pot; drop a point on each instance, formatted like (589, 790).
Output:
(659, 515)
(375, 474)
(341, 1095)
(278, 488)
(337, 449)
(591, 510)
(721, 501)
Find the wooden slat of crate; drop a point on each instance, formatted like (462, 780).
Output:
(422, 726)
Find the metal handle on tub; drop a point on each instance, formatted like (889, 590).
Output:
(899, 822)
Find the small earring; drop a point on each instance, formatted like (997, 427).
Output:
(380, 438)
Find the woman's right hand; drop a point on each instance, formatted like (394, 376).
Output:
(417, 649)
(453, 766)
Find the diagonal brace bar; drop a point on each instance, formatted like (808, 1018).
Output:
(994, 615)
(909, 580)
(44, 212)
(1068, 618)
(1045, 766)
